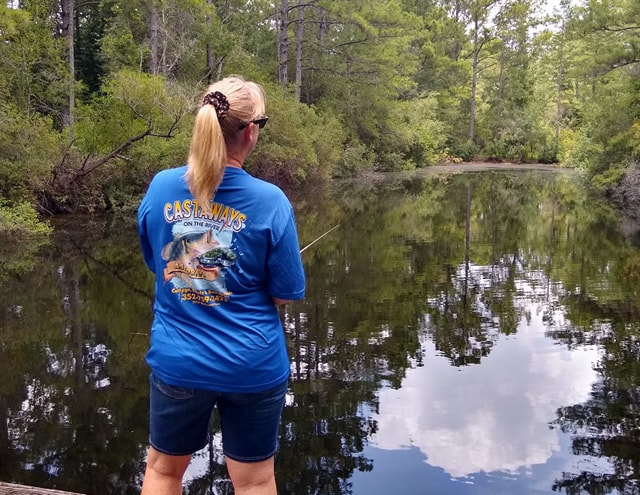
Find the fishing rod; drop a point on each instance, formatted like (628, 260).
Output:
(318, 238)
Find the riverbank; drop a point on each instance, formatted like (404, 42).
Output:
(480, 166)
(371, 177)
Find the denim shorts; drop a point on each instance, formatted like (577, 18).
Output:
(179, 420)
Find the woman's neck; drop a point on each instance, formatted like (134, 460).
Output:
(234, 162)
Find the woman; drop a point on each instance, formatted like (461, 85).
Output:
(224, 249)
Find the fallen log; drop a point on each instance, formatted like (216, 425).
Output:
(13, 489)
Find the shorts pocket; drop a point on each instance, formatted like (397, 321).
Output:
(172, 391)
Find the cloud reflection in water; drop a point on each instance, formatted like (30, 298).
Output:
(492, 417)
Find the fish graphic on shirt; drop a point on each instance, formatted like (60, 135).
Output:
(186, 248)
(182, 257)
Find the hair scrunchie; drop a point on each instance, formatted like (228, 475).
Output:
(219, 102)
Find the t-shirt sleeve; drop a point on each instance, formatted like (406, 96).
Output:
(286, 273)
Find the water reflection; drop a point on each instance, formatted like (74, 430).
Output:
(461, 333)
(489, 418)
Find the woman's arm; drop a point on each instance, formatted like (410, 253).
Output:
(279, 302)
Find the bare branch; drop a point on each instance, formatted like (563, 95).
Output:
(59, 165)
(488, 66)
(113, 154)
(84, 4)
(611, 66)
(618, 30)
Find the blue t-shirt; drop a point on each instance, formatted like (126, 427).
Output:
(215, 325)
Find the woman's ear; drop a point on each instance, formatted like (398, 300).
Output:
(249, 137)
(247, 132)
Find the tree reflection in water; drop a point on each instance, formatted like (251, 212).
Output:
(440, 267)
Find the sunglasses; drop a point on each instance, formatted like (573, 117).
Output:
(261, 122)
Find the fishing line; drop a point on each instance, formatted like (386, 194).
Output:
(318, 238)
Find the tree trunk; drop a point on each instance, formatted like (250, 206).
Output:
(559, 83)
(323, 26)
(498, 125)
(283, 43)
(215, 64)
(299, 41)
(153, 40)
(209, 50)
(66, 31)
(474, 86)
(467, 235)
(164, 66)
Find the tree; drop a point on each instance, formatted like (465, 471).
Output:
(282, 16)
(299, 46)
(510, 123)
(34, 76)
(604, 33)
(66, 30)
(445, 71)
(611, 26)
(91, 20)
(564, 15)
(362, 63)
(154, 109)
(479, 13)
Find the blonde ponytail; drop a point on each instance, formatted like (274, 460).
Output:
(207, 156)
(215, 130)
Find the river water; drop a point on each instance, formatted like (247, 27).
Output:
(472, 333)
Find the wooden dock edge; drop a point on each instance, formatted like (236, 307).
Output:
(12, 489)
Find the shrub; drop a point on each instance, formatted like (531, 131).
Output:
(354, 160)
(298, 144)
(20, 220)
(418, 126)
(549, 153)
(465, 151)
(582, 152)
(28, 149)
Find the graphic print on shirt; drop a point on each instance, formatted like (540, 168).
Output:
(201, 250)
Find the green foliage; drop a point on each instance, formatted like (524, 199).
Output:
(27, 144)
(130, 104)
(522, 139)
(609, 179)
(33, 75)
(363, 62)
(121, 45)
(390, 161)
(609, 31)
(354, 160)
(500, 149)
(157, 153)
(92, 20)
(134, 104)
(549, 153)
(580, 150)
(465, 150)
(298, 144)
(606, 136)
(370, 36)
(20, 220)
(385, 85)
(424, 134)
(125, 182)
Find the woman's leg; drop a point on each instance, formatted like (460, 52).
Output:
(250, 424)
(163, 475)
(179, 424)
(252, 478)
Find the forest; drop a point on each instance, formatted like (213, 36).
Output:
(96, 96)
